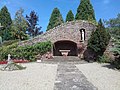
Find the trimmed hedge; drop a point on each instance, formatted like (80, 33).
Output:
(9, 42)
(24, 52)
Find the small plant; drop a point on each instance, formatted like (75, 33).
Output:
(117, 62)
(103, 59)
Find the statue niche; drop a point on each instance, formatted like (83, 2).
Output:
(82, 33)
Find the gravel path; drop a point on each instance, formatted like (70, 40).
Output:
(101, 76)
(36, 76)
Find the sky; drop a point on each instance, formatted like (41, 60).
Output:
(104, 9)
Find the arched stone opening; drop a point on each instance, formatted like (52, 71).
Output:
(65, 45)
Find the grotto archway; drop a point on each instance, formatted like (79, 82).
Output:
(65, 45)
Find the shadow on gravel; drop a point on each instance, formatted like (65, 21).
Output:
(110, 66)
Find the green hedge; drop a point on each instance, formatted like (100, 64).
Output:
(24, 52)
(9, 42)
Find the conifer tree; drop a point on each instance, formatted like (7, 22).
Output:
(32, 21)
(70, 16)
(19, 26)
(113, 25)
(6, 21)
(55, 19)
(98, 41)
(85, 11)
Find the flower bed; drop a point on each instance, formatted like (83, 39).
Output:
(3, 62)
(16, 61)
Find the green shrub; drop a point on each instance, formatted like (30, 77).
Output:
(5, 50)
(6, 43)
(25, 52)
(116, 51)
(97, 43)
(103, 59)
(117, 62)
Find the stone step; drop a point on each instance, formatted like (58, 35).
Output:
(61, 59)
(69, 58)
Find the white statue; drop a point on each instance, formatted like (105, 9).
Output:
(83, 35)
(9, 59)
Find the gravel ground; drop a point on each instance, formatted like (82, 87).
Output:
(36, 76)
(40, 76)
(101, 76)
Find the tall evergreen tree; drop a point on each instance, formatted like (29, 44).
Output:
(113, 25)
(19, 26)
(70, 16)
(55, 19)
(98, 42)
(33, 29)
(85, 11)
(6, 21)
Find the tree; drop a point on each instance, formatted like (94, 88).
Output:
(113, 25)
(70, 16)
(6, 21)
(98, 42)
(55, 19)
(33, 29)
(19, 26)
(85, 11)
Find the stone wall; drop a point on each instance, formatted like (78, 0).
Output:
(66, 31)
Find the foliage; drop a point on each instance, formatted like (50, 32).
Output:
(117, 62)
(116, 51)
(103, 59)
(5, 50)
(6, 21)
(113, 25)
(9, 42)
(85, 11)
(19, 26)
(70, 16)
(33, 29)
(55, 19)
(0, 40)
(116, 48)
(98, 41)
(24, 52)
